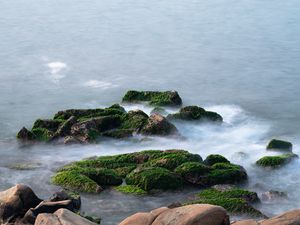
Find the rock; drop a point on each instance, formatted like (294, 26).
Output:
(288, 218)
(51, 207)
(48, 124)
(280, 145)
(16, 201)
(223, 187)
(246, 222)
(276, 161)
(167, 98)
(273, 195)
(196, 113)
(25, 135)
(65, 128)
(159, 125)
(47, 219)
(213, 159)
(71, 140)
(233, 200)
(63, 195)
(154, 178)
(139, 219)
(61, 217)
(200, 214)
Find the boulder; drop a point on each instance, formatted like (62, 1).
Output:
(63, 195)
(141, 218)
(158, 98)
(62, 217)
(195, 113)
(159, 125)
(65, 128)
(280, 145)
(198, 214)
(16, 201)
(276, 161)
(25, 135)
(246, 222)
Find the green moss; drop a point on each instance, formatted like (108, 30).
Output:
(233, 200)
(174, 159)
(154, 178)
(225, 173)
(42, 134)
(123, 171)
(212, 159)
(167, 98)
(275, 161)
(195, 113)
(118, 107)
(51, 125)
(134, 120)
(130, 189)
(280, 145)
(75, 181)
(192, 169)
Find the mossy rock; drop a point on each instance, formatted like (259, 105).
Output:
(215, 158)
(158, 98)
(101, 176)
(130, 189)
(154, 178)
(172, 160)
(276, 161)
(225, 173)
(275, 144)
(118, 133)
(195, 113)
(134, 120)
(159, 110)
(75, 181)
(192, 172)
(234, 201)
(48, 124)
(118, 107)
(42, 134)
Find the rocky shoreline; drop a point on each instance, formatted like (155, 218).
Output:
(144, 172)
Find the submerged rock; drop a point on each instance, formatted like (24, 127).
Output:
(158, 98)
(195, 113)
(273, 195)
(276, 161)
(280, 145)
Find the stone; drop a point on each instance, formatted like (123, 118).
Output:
(25, 135)
(198, 214)
(16, 201)
(245, 222)
(141, 218)
(159, 125)
(66, 217)
(273, 195)
(280, 145)
(47, 219)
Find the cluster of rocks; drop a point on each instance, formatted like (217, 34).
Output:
(87, 125)
(203, 214)
(278, 160)
(145, 171)
(20, 206)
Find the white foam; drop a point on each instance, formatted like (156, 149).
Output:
(99, 84)
(56, 69)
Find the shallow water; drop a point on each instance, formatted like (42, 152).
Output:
(239, 58)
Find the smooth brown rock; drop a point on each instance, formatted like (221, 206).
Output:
(66, 217)
(139, 219)
(158, 211)
(16, 201)
(288, 218)
(198, 214)
(47, 219)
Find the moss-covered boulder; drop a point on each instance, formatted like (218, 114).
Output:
(25, 135)
(215, 158)
(193, 172)
(134, 120)
(276, 161)
(150, 178)
(195, 113)
(280, 145)
(158, 98)
(75, 181)
(234, 200)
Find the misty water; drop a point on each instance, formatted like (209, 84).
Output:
(239, 58)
